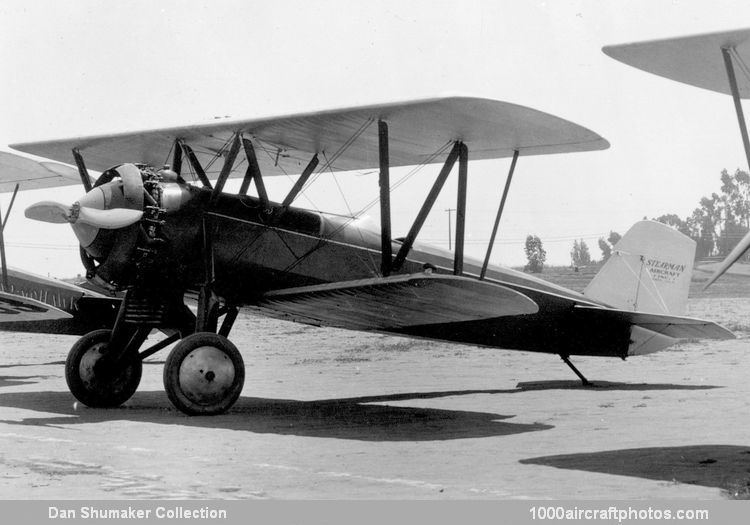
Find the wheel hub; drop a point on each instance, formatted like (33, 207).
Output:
(206, 375)
(88, 369)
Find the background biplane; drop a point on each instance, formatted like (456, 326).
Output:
(147, 232)
(713, 61)
(33, 303)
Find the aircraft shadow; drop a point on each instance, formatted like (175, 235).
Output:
(345, 418)
(342, 419)
(605, 385)
(6, 381)
(529, 387)
(18, 365)
(723, 466)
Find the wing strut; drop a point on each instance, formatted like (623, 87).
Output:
(385, 201)
(463, 163)
(728, 63)
(729, 53)
(301, 180)
(253, 173)
(177, 158)
(5, 284)
(188, 151)
(426, 207)
(82, 171)
(499, 214)
(10, 206)
(226, 169)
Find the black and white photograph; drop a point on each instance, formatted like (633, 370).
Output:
(389, 251)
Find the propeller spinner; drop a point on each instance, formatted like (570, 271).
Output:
(102, 220)
(103, 207)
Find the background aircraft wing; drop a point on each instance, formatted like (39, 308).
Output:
(32, 175)
(347, 139)
(33, 303)
(16, 308)
(705, 61)
(695, 60)
(396, 302)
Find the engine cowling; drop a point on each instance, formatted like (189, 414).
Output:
(107, 219)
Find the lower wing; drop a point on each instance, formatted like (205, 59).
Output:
(386, 303)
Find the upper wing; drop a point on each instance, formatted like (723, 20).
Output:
(696, 60)
(397, 302)
(31, 174)
(347, 137)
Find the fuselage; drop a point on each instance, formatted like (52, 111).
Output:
(254, 251)
(250, 251)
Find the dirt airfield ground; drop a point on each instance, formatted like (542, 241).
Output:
(330, 414)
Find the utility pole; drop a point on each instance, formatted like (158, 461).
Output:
(450, 221)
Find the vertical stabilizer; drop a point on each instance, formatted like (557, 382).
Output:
(649, 271)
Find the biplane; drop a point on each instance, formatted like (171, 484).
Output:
(157, 224)
(713, 61)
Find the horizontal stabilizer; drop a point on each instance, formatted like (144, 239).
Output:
(399, 301)
(669, 325)
(16, 308)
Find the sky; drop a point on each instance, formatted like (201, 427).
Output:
(80, 67)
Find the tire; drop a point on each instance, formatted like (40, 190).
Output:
(92, 386)
(204, 374)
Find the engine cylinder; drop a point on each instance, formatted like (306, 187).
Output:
(174, 196)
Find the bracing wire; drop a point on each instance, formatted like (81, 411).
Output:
(741, 63)
(349, 220)
(349, 208)
(329, 162)
(327, 167)
(270, 156)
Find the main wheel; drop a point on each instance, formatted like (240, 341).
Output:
(204, 374)
(95, 383)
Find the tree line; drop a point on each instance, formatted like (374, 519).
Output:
(580, 255)
(721, 220)
(716, 225)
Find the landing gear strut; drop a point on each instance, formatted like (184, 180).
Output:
(203, 375)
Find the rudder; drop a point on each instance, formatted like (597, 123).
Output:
(649, 271)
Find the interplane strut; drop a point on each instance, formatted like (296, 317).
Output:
(728, 63)
(508, 179)
(426, 207)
